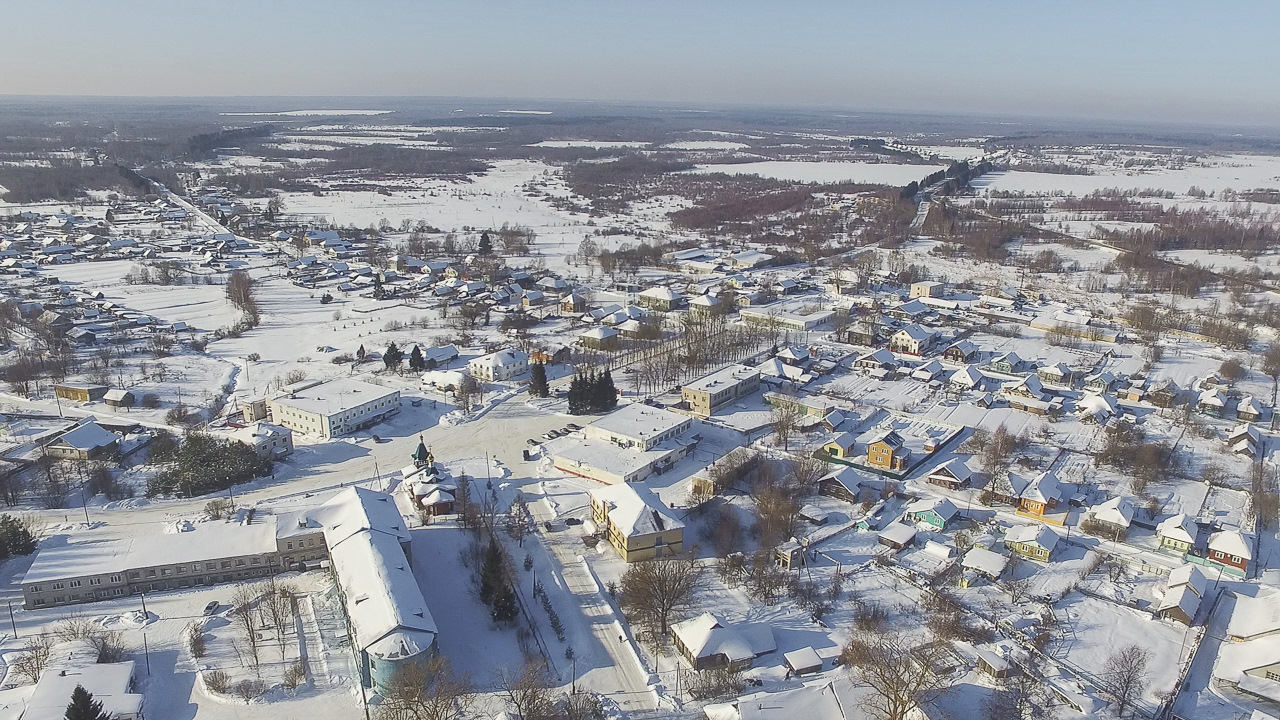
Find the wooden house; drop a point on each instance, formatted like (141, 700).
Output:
(888, 451)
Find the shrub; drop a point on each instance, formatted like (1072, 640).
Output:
(217, 680)
(253, 357)
(151, 401)
(204, 464)
(294, 675)
(343, 359)
(195, 641)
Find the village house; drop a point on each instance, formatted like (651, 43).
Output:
(119, 399)
(954, 474)
(1230, 550)
(881, 359)
(927, 288)
(843, 446)
(912, 340)
(983, 563)
(707, 642)
(1181, 598)
(1041, 494)
(841, 484)
(80, 393)
(331, 408)
(265, 439)
(1249, 409)
(888, 451)
(1009, 363)
(933, 512)
(1178, 533)
(1114, 516)
(962, 352)
(662, 299)
(1032, 541)
(601, 338)
(86, 440)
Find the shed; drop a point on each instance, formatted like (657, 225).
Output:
(804, 660)
(119, 398)
(897, 536)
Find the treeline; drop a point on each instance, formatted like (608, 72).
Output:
(65, 181)
(1196, 230)
(954, 179)
(972, 233)
(203, 144)
(612, 185)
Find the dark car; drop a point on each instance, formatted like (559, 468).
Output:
(572, 521)
(574, 426)
(531, 441)
(211, 608)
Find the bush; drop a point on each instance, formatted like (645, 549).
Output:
(195, 641)
(217, 681)
(253, 357)
(151, 401)
(343, 359)
(295, 675)
(247, 690)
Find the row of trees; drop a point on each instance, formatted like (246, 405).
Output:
(591, 392)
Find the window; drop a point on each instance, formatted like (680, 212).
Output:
(95, 581)
(239, 562)
(74, 583)
(134, 575)
(115, 578)
(195, 567)
(36, 588)
(182, 569)
(58, 586)
(60, 599)
(226, 564)
(256, 561)
(166, 571)
(210, 566)
(1273, 676)
(151, 573)
(117, 591)
(39, 602)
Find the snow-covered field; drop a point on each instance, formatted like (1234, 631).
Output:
(1238, 172)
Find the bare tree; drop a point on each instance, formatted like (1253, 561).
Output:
(426, 691)
(654, 590)
(243, 604)
(1019, 697)
(1125, 676)
(900, 679)
(277, 605)
(34, 657)
(786, 420)
(529, 690)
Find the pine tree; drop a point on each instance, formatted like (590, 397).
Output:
(360, 354)
(417, 362)
(15, 538)
(392, 357)
(492, 576)
(606, 394)
(486, 245)
(84, 707)
(538, 381)
(577, 392)
(504, 605)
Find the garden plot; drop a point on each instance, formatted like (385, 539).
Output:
(1091, 630)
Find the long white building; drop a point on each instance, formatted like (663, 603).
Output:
(333, 408)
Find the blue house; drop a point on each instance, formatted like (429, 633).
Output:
(934, 512)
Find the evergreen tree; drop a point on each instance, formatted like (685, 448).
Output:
(504, 605)
(492, 575)
(577, 394)
(417, 362)
(392, 357)
(538, 386)
(486, 245)
(605, 393)
(360, 354)
(15, 539)
(84, 707)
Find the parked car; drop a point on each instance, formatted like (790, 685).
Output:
(574, 426)
(573, 521)
(548, 436)
(531, 441)
(211, 608)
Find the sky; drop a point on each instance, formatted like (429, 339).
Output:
(1212, 62)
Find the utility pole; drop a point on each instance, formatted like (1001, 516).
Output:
(14, 623)
(84, 504)
(146, 651)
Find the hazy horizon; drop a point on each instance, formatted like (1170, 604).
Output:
(1167, 62)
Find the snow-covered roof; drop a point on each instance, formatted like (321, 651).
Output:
(942, 506)
(1181, 597)
(803, 659)
(385, 608)
(898, 533)
(984, 561)
(598, 333)
(1042, 488)
(956, 467)
(1189, 575)
(661, 293)
(635, 511)
(1255, 616)
(356, 509)
(1116, 511)
(109, 683)
(1180, 527)
(1032, 534)
(1231, 542)
(707, 635)
(87, 437)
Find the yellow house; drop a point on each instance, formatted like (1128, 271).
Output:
(1032, 541)
(888, 451)
(1177, 533)
(841, 446)
(636, 522)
